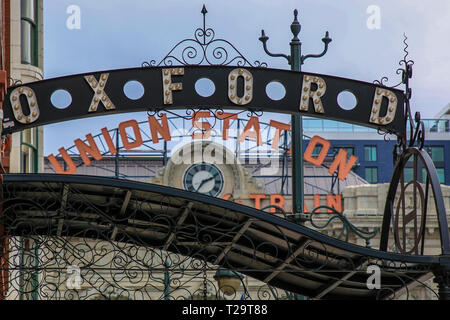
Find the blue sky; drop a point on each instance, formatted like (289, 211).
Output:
(124, 33)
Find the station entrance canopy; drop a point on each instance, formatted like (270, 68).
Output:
(53, 209)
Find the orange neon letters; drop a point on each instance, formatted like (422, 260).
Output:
(203, 126)
(156, 127)
(258, 197)
(123, 134)
(280, 126)
(253, 122)
(334, 202)
(226, 117)
(85, 149)
(109, 142)
(309, 150)
(72, 168)
(339, 162)
(276, 200)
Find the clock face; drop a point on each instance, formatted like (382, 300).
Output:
(203, 178)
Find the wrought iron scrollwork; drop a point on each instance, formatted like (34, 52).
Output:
(216, 114)
(406, 71)
(398, 211)
(347, 226)
(382, 81)
(416, 126)
(204, 48)
(164, 245)
(14, 82)
(408, 202)
(320, 221)
(161, 248)
(190, 114)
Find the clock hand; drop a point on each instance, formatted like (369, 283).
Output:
(204, 181)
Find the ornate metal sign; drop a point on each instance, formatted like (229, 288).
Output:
(99, 93)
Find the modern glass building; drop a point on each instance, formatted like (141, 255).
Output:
(374, 163)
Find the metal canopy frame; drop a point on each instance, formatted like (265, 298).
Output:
(278, 252)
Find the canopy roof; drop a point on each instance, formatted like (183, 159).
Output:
(274, 250)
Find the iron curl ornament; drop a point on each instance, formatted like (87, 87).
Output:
(215, 114)
(414, 124)
(204, 48)
(320, 221)
(409, 153)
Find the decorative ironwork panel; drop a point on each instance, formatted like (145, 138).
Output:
(73, 237)
(205, 49)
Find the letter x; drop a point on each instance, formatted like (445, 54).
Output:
(99, 92)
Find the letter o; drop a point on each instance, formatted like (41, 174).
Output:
(17, 106)
(232, 86)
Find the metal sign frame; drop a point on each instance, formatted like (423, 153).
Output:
(101, 93)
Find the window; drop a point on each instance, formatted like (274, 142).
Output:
(316, 150)
(436, 153)
(350, 150)
(440, 173)
(424, 175)
(29, 32)
(408, 174)
(29, 150)
(370, 153)
(371, 174)
(313, 124)
(330, 125)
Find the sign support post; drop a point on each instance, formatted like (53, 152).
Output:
(295, 60)
(297, 129)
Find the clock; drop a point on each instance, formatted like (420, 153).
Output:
(216, 173)
(204, 178)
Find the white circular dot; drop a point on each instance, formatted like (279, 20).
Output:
(133, 90)
(275, 90)
(61, 99)
(347, 100)
(205, 87)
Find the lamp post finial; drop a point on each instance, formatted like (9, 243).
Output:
(295, 26)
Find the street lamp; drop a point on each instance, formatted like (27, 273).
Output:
(229, 281)
(296, 60)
